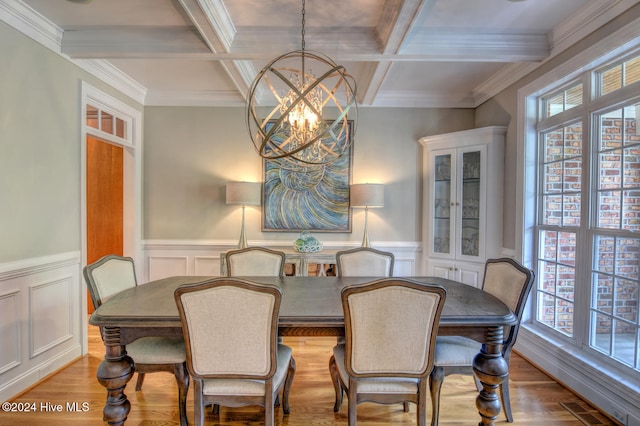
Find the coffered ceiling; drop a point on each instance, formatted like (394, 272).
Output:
(402, 53)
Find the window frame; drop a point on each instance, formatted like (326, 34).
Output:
(604, 384)
(593, 106)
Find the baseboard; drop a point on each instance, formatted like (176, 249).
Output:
(22, 383)
(611, 391)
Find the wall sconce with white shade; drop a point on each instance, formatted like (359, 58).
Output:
(245, 194)
(367, 195)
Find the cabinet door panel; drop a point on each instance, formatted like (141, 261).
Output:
(470, 275)
(441, 271)
(470, 202)
(441, 206)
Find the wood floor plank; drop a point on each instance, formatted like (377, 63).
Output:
(535, 397)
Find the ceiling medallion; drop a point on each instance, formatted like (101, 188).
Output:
(295, 133)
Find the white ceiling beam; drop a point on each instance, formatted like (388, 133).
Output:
(356, 45)
(242, 74)
(133, 42)
(212, 21)
(472, 47)
(399, 21)
(371, 81)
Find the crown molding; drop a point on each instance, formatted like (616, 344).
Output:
(589, 19)
(32, 24)
(111, 75)
(35, 26)
(502, 79)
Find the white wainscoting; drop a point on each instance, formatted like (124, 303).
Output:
(164, 258)
(41, 323)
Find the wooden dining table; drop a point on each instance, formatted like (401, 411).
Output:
(311, 306)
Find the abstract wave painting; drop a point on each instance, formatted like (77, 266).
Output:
(309, 198)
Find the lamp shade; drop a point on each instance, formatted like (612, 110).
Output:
(367, 195)
(245, 193)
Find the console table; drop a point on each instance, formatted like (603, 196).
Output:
(300, 261)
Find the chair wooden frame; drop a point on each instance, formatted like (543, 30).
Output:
(343, 254)
(244, 251)
(440, 372)
(179, 370)
(418, 397)
(268, 399)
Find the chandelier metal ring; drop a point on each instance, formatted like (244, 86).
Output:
(294, 132)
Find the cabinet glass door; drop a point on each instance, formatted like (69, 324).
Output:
(470, 204)
(441, 204)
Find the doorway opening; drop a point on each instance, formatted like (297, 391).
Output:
(111, 157)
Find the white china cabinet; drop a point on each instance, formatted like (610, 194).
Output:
(462, 212)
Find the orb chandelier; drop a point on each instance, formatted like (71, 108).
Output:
(294, 132)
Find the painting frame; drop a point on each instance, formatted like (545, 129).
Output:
(315, 199)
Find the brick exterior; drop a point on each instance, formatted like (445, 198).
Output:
(616, 280)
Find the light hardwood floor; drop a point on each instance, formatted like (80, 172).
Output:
(536, 398)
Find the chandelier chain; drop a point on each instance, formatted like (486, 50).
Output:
(303, 21)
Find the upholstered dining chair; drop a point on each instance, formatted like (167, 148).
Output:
(364, 262)
(510, 282)
(112, 274)
(255, 262)
(391, 326)
(231, 329)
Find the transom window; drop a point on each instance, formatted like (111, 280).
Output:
(107, 124)
(563, 100)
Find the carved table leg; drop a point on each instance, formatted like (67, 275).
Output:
(491, 369)
(114, 373)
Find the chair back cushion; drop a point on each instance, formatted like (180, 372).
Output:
(507, 280)
(391, 325)
(364, 262)
(510, 282)
(230, 328)
(255, 262)
(108, 276)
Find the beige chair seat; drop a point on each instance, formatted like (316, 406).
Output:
(375, 384)
(239, 387)
(157, 350)
(455, 351)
